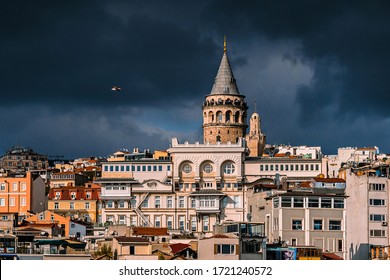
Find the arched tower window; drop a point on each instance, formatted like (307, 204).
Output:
(218, 138)
(211, 117)
(219, 116)
(237, 117)
(228, 116)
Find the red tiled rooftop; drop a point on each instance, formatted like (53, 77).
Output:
(150, 231)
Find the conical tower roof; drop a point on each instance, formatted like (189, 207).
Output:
(224, 82)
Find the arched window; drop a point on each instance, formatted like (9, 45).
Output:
(228, 116)
(229, 168)
(207, 168)
(237, 117)
(219, 116)
(187, 168)
(211, 116)
(218, 138)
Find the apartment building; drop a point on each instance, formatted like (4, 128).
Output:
(367, 209)
(67, 179)
(311, 213)
(78, 202)
(21, 195)
(19, 159)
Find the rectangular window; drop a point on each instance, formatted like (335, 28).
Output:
(116, 168)
(2, 201)
(122, 219)
(334, 225)
(127, 168)
(377, 218)
(377, 202)
(56, 205)
(286, 201)
(133, 201)
(338, 203)
(296, 167)
(71, 205)
(311, 167)
(133, 168)
(22, 201)
(261, 167)
(133, 220)
(266, 167)
(206, 221)
(276, 167)
(317, 167)
(2, 186)
(121, 204)
(317, 224)
(169, 202)
(377, 187)
(298, 202)
(138, 168)
(157, 202)
(14, 186)
(225, 249)
(149, 168)
(193, 202)
(157, 221)
(145, 203)
(297, 225)
(181, 222)
(169, 222)
(87, 205)
(193, 223)
(271, 167)
(23, 186)
(339, 245)
(143, 168)
(168, 168)
(286, 167)
(110, 204)
(377, 233)
(154, 167)
(281, 167)
(314, 202)
(106, 168)
(11, 201)
(326, 202)
(181, 201)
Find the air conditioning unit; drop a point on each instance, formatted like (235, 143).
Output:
(384, 224)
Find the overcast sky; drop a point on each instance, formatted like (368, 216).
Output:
(317, 70)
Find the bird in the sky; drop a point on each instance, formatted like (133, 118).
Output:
(116, 88)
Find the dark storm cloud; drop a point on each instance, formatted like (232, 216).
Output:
(346, 43)
(74, 53)
(60, 59)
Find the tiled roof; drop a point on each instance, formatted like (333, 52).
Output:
(329, 180)
(178, 247)
(150, 231)
(224, 82)
(125, 239)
